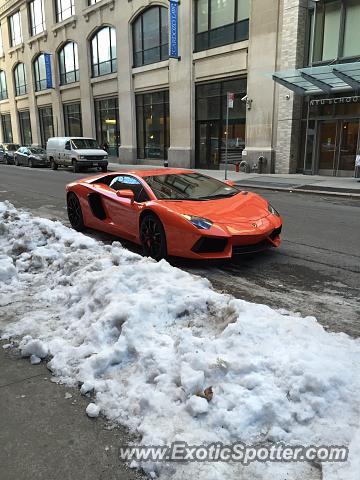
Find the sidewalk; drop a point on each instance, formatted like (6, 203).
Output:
(340, 186)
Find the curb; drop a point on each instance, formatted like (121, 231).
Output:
(301, 190)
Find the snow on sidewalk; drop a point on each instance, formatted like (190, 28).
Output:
(146, 337)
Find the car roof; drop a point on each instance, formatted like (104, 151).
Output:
(155, 172)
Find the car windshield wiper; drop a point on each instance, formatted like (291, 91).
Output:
(220, 195)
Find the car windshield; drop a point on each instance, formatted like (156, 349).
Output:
(12, 147)
(37, 150)
(189, 186)
(83, 143)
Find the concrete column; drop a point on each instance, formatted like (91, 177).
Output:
(182, 111)
(291, 50)
(264, 17)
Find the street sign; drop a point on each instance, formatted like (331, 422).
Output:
(174, 29)
(230, 99)
(49, 83)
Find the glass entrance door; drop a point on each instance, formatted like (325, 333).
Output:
(337, 147)
(208, 154)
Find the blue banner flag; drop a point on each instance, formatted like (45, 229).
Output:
(174, 29)
(49, 83)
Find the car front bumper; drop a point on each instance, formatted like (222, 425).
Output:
(92, 163)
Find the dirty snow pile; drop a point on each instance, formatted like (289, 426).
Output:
(144, 338)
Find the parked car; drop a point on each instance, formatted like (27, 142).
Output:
(31, 157)
(77, 152)
(7, 151)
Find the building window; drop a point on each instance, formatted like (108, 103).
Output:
(25, 128)
(64, 9)
(40, 73)
(334, 30)
(107, 124)
(103, 52)
(69, 63)
(6, 128)
(211, 129)
(46, 124)
(220, 22)
(72, 120)
(153, 125)
(3, 86)
(37, 17)
(20, 79)
(92, 2)
(15, 29)
(151, 36)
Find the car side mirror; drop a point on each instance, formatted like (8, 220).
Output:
(67, 147)
(129, 194)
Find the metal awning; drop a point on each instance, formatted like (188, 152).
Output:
(337, 78)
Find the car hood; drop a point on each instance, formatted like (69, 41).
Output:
(90, 151)
(241, 208)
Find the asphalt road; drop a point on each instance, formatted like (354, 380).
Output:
(315, 272)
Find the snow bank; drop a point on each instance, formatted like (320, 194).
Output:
(147, 338)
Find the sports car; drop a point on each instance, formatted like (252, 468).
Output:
(174, 212)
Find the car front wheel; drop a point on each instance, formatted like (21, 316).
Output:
(31, 163)
(152, 237)
(74, 212)
(16, 162)
(75, 166)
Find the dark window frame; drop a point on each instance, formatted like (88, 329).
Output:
(142, 151)
(59, 11)
(21, 125)
(3, 86)
(40, 82)
(140, 194)
(20, 88)
(96, 66)
(11, 29)
(310, 44)
(66, 119)
(31, 14)
(161, 47)
(41, 116)
(99, 109)
(7, 132)
(65, 76)
(240, 30)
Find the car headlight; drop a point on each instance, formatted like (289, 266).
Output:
(273, 211)
(106, 157)
(82, 156)
(198, 222)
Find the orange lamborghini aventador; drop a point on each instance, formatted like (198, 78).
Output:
(173, 212)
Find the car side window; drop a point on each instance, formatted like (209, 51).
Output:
(126, 182)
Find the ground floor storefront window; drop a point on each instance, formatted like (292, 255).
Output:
(153, 125)
(6, 128)
(25, 127)
(72, 120)
(331, 133)
(46, 123)
(107, 124)
(211, 132)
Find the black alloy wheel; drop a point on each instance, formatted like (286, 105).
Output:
(74, 212)
(152, 237)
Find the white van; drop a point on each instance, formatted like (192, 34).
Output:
(77, 152)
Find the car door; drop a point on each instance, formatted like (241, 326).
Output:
(121, 211)
(18, 156)
(2, 151)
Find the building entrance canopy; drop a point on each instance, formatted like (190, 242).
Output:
(322, 79)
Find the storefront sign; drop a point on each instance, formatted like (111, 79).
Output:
(49, 83)
(334, 101)
(174, 29)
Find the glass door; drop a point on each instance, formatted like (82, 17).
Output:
(348, 147)
(208, 141)
(327, 147)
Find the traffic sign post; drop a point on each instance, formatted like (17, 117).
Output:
(230, 97)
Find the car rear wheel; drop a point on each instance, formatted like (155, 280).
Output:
(16, 162)
(104, 169)
(31, 164)
(53, 165)
(7, 161)
(74, 212)
(75, 166)
(152, 237)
